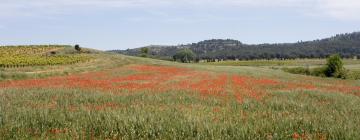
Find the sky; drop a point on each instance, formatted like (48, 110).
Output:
(123, 24)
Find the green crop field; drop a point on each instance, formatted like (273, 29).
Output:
(121, 97)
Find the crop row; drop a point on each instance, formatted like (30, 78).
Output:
(6, 51)
(21, 61)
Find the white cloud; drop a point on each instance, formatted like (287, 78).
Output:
(339, 9)
(342, 9)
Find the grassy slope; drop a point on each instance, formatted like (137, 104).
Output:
(349, 63)
(79, 113)
(102, 61)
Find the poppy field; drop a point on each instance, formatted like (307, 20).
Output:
(165, 78)
(177, 101)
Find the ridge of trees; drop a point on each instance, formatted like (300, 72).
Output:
(346, 45)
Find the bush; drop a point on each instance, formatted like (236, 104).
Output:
(143, 55)
(335, 67)
(306, 71)
(320, 71)
(298, 70)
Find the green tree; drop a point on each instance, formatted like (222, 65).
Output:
(77, 47)
(335, 67)
(144, 52)
(184, 55)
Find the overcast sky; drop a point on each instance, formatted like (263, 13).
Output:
(122, 24)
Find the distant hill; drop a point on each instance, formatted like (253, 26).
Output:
(347, 45)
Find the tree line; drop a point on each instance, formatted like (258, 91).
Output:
(346, 45)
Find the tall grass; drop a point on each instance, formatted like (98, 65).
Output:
(86, 114)
(54, 113)
(99, 62)
(281, 63)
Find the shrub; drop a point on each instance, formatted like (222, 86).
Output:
(335, 67)
(306, 71)
(298, 70)
(320, 71)
(143, 55)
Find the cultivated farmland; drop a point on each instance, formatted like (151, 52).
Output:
(21, 56)
(121, 97)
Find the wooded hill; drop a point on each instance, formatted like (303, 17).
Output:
(347, 45)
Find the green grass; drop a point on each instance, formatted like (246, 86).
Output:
(36, 113)
(297, 66)
(51, 113)
(354, 74)
(282, 63)
(98, 62)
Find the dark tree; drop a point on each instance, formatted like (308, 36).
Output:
(77, 47)
(346, 45)
(185, 56)
(144, 52)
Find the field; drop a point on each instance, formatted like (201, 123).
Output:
(349, 63)
(122, 97)
(352, 65)
(22, 56)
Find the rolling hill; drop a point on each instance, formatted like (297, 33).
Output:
(347, 45)
(123, 97)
